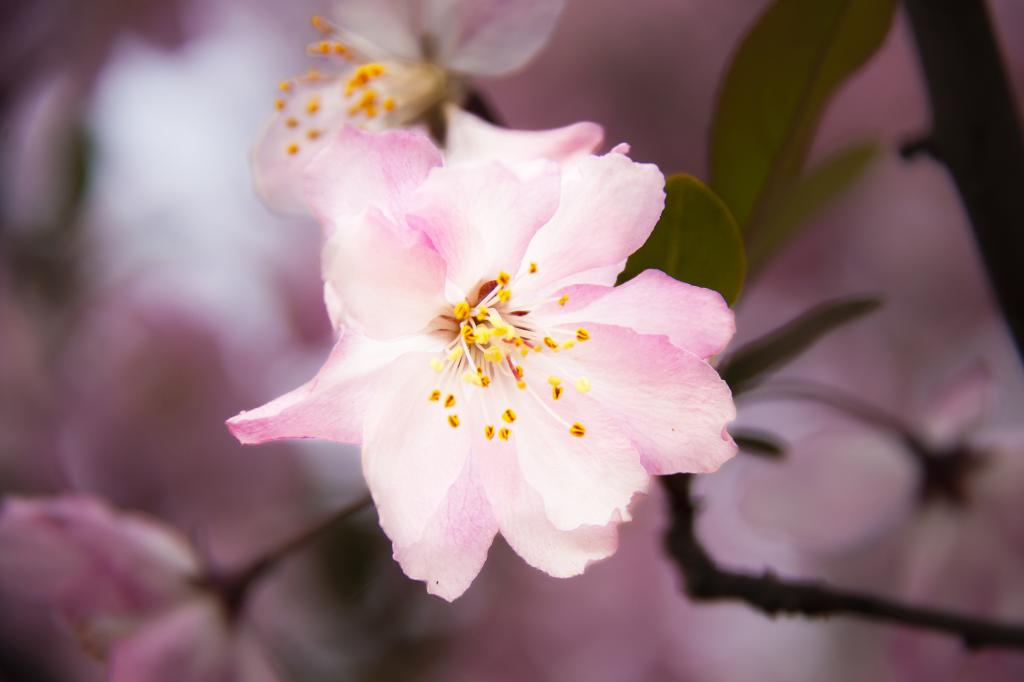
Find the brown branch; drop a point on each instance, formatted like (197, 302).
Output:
(976, 134)
(705, 580)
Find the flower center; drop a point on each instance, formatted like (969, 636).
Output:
(492, 340)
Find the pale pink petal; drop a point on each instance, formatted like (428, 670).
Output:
(193, 643)
(293, 137)
(671, 403)
(490, 37)
(959, 406)
(481, 217)
(358, 170)
(693, 318)
(609, 205)
(411, 454)
(393, 27)
(470, 139)
(91, 563)
(588, 481)
(389, 280)
(525, 526)
(333, 404)
(832, 492)
(454, 546)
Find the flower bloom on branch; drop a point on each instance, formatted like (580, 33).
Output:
(496, 378)
(131, 589)
(399, 63)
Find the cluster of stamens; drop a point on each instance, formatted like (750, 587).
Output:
(490, 340)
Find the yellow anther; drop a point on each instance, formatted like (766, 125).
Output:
(568, 344)
(292, 122)
(279, 104)
(292, 148)
(556, 392)
(550, 343)
(504, 434)
(564, 299)
(323, 47)
(518, 371)
(538, 348)
(340, 49)
(436, 364)
(533, 268)
(313, 133)
(319, 23)
(435, 395)
(449, 402)
(504, 295)
(483, 335)
(461, 311)
(521, 385)
(582, 334)
(482, 313)
(582, 384)
(524, 352)
(473, 378)
(577, 430)
(489, 432)
(285, 86)
(455, 354)
(363, 75)
(554, 381)
(504, 278)
(468, 334)
(494, 354)
(509, 415)
(453, 419)
(517, 341)
(313, 105)
(486, 381)
(389, 104)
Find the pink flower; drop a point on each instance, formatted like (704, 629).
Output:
(496, 378)
(397, 63)
(130, 588)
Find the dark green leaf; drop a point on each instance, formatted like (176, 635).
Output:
(748, 364)
(807, 196)
(780, 81)
(758, 443)
(696, 240)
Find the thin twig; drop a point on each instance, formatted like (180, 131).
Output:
(705, 580)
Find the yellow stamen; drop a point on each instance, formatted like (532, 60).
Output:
(556, 392)
(389, 104)
(482, 335)
(312, 133)
(292, 122)
(482, 313)
(564, 299)
(313, 105)
(292, 148)
(577, 430)
(473, 378)
(461, 311)
(504, 295)
(494, 354)
(449, 402)
(582, 334)
(521, 385)
(489, 432)
(504, 434)
(568, 344)
(550, 343)
(504, 278)
(453, 419)
(435, 396)
(509, 415)
(285, 86)
(279, 104)
(533, 268)
(319, 23)
(468, 334)
(455, 354)
(486, 381)
(436, 364)
(583, 385)
(554, 381)
(524, 352)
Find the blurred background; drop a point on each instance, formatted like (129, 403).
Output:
(146, 295)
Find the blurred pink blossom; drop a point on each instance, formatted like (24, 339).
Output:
(441, 279)
(131, 589)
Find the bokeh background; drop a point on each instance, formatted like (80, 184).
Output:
(146, 295)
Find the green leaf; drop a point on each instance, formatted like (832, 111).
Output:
(782, 77)
(806, 197)
(748, 364)
(758, 443)
(696, 240)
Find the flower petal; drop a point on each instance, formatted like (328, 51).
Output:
(481, 217)
(411, 454)
(391, 26)
(959, 405)
(671, 403)
(358, 170)
(333, 404)
(454, 546)
(609, 205)
(472, 139)
(293, 137)
(588, 481)
(389, 279)
(490, 37)
(525, 526)
(693, 318)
